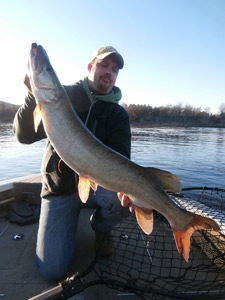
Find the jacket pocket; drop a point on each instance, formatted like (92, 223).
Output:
(99, 128)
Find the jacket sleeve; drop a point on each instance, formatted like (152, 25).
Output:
(119, 138)
(23, 125)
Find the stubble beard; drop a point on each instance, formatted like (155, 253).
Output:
(103, 89)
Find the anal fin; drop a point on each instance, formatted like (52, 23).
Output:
(144, 218)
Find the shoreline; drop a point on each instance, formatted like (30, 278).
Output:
(140, 124)
(154, 125)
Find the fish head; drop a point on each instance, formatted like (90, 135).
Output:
(43, 79)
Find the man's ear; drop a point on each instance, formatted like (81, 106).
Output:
(89, 67)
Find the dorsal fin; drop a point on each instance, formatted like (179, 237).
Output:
(169, 181)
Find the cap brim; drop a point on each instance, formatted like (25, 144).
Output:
(119, 58)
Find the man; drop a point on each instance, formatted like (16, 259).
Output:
(95, 99)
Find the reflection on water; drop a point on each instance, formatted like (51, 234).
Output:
(18, 159)
(196, 155)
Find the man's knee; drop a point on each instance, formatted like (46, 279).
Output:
(52, 271)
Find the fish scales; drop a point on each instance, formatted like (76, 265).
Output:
(97, 164)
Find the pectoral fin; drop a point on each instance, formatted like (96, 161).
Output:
(37, 117)
(84, 188)
(144, 219)
(169, 181)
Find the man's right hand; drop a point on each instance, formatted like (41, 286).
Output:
(27, 83)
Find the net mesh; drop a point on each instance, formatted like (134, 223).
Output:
(151, 267)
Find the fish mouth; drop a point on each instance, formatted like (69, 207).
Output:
(35, 56)
(40, 58)
(34, 48)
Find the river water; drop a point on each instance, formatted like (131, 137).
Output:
(196, 155)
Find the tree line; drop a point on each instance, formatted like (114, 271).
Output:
(146, 115)
(177, 115)
(7, 112)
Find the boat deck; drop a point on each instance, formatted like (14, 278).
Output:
(19, 276)
(150, 264)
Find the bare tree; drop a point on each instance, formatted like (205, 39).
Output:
(222, 108)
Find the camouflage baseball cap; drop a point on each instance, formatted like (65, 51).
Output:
(103, 52)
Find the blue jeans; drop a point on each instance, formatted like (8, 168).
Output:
(58, 225)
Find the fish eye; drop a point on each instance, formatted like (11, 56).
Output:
(48, 69)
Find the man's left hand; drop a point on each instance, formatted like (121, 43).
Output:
(125, 201)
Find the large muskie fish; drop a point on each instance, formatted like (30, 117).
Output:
(97, 164)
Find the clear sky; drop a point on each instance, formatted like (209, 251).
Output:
(174, 50)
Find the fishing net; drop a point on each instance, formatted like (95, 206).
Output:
(151, 267)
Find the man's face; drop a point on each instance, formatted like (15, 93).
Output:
(102, 74)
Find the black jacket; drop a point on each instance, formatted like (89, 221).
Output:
(109, 122)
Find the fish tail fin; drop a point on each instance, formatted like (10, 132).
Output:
(183, 238)
(37, 117)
